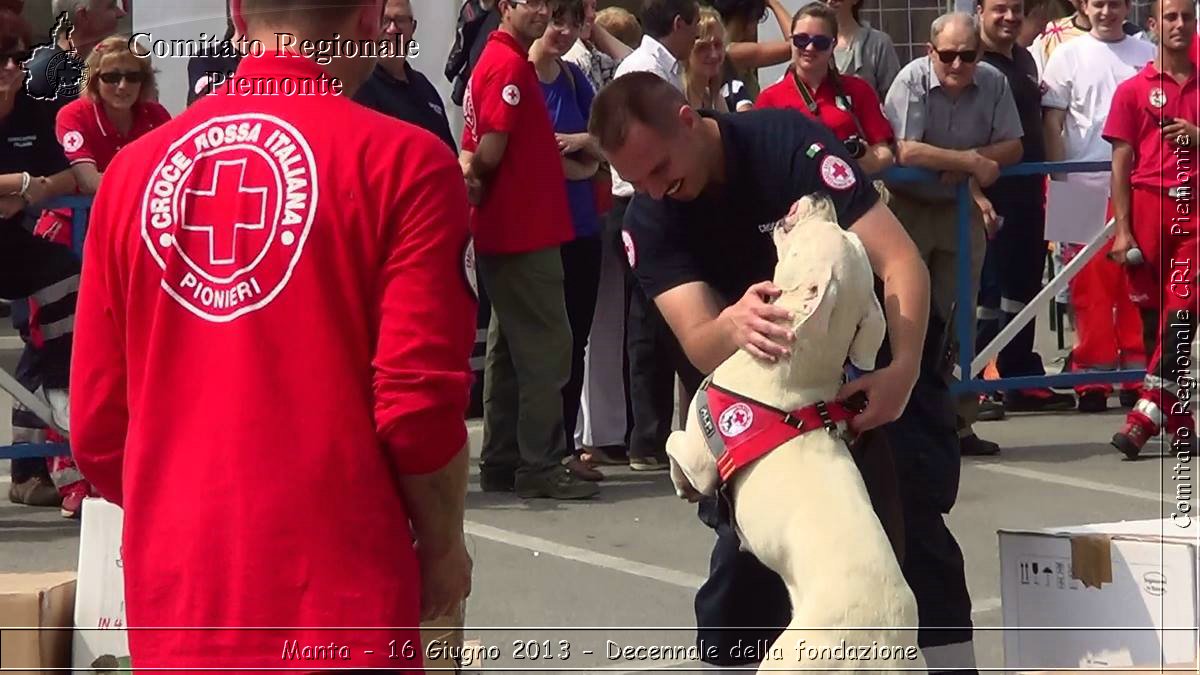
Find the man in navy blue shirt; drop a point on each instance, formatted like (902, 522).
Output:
(397, 89)
(710, 190)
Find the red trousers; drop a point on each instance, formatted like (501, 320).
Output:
(1108, 324)
(1164, 227)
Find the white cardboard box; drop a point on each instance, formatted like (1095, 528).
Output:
(101, 641)
(1110, 594)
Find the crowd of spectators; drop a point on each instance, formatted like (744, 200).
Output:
(1003, 85)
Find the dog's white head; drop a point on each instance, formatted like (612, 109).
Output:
(827, 281)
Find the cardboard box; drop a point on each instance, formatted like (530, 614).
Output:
(447, 633)
(34, 602)
(1109, 595)
(101, 641)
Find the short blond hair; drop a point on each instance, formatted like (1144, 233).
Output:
(622, 24)
(116, 45)
(708, 24)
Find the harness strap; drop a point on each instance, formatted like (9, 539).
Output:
(741, 429)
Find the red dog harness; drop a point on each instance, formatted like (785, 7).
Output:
(740, 430)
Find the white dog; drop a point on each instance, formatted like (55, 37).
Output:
(802, 508)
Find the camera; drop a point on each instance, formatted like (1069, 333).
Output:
(855, 146)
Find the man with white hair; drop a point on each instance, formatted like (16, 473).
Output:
(955, 116)
(85, 23)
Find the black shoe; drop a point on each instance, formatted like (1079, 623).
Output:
(1038, 400)
(990, 410)
(556, 483)
(974, 446)
(496, 480)
(1129, 398)
(1093, 402)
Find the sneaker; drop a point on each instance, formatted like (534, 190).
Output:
(1093, 401)
(557, 483)
(1133, 436)
(990, 410)
(1129, 398)
(974, 446)
(496, 480)
(581, 470)
(36, 491)
(609, 455)
(650, 463)
(72, 503)
(1038, 400)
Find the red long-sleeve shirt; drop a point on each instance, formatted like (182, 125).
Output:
(273, 324)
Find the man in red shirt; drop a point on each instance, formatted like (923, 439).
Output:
(261, 302)
(520, 218)
(1152, 127)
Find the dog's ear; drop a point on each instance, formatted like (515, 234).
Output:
(818, 296)
(871, 330)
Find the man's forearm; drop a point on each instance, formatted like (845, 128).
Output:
(1003, 153)
(436, 503)
(489, 154)
(906, 307)
(925, 156)
(1052, 128)
(1119, 186)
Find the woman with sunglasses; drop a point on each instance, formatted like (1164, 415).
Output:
(704, 74)
(116, 108)
(32, 170)
(863, 51)
(844, 103)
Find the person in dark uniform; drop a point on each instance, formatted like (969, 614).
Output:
(477, 19)
(397, 89)
(220, 61)
(33, 169)
(1015, 259)
(710, 189)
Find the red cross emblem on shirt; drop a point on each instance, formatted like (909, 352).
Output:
(223, 209)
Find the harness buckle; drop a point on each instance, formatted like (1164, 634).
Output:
(826, 418)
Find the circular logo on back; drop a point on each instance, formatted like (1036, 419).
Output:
(227, 212)
(735, 420)
(836, 173)
(72, 141)
(1158, 97)
(468, 262)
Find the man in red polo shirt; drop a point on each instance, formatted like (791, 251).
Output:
(1152, 127)
(514, 173)
(260, 302)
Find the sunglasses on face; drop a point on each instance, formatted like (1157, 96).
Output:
(15, 58)
(819, 42)
(115, 77)
(948, 56)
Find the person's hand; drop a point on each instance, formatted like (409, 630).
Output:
(1178, 128)
(11, 205)
(475, 187)
(987, 171)
(887, 391)
(1122, 242)
(445, 579)
(761, 329)
(569, 143)
(39, 187)
(991, 220)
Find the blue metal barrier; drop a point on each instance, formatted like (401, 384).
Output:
(964, 318)
(81, 207)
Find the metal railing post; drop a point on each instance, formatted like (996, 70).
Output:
(965, 306)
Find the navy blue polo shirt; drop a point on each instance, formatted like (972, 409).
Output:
(773, 157)
(415, 101)
(1022, 75)
(28, 143)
